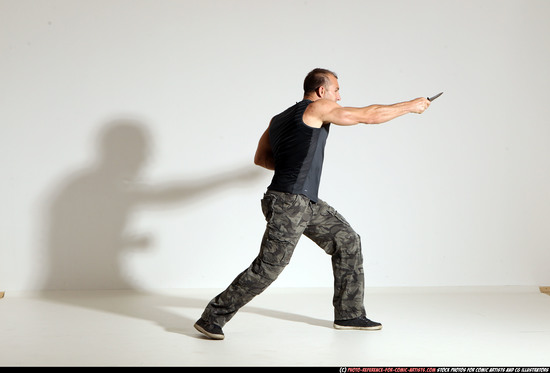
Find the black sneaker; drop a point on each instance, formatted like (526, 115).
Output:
(210, 330)
(360, 323)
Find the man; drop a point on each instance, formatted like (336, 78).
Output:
(293, 146)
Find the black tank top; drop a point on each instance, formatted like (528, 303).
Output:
(298, 150)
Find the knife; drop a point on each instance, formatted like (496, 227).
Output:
(434, 97)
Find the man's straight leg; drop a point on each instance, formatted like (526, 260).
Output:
(286, 216)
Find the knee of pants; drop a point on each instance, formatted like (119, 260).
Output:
(276, 250)
(347, 243)
(267, 271)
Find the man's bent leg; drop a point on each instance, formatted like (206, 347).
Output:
(332, 233)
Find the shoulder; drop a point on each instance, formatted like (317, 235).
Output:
(317, 111)
(323, 104)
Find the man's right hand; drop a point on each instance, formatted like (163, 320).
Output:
(419, 105)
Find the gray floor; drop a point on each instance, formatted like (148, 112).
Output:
(281, 327)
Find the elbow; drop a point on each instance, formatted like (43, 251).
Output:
(264, 158)
(372, 116)
(258, 157)
(351, 119)
(264, 162)
(348, 118)
(257, 161)
(374, 120)
(375, 116)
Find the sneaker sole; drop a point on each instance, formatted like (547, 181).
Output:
(341, 327)
(218, 337)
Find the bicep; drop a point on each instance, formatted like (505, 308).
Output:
(342, 116)
(326, 111)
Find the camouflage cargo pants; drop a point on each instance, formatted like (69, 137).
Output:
(289, 216)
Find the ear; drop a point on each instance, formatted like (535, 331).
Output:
(321, 91)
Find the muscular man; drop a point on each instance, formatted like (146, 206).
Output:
(293, 146)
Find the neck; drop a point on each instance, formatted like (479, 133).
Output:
(311, 97)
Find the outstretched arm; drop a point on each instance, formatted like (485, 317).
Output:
(326, 111)
(264, 153)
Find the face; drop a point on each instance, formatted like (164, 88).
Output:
(332, 90)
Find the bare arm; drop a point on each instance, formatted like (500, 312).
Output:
(326, 111)
(264, 153)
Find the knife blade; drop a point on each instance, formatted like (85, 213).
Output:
(434, 97)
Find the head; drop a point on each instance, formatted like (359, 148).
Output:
(321, 83)
(124, 146)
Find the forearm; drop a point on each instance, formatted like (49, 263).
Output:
(376, 114)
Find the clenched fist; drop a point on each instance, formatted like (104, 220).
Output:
(419, 105)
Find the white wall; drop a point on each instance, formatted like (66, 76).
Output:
(456, 196)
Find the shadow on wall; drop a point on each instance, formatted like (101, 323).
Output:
(87, 221)
(88, 214)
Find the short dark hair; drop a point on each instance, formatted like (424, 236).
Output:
(317, 78)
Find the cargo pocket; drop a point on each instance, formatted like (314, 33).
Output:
(267, 206)
(331, 211)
